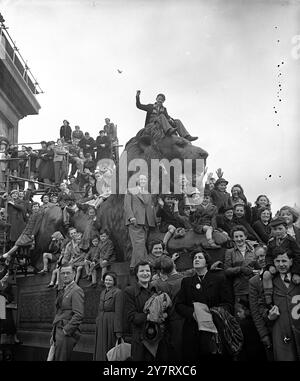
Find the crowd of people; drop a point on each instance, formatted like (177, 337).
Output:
(236, 308)
(50, 164)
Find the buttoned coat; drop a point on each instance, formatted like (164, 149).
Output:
(140, 206)
(214, 291)
(135, 298)
(108, 322)
(263, 231)
(286, 328)
(70, 310)
(233, 263)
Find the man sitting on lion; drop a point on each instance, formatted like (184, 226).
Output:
(158, 119)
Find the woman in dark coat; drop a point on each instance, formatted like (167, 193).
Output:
(135, 299)
(16, 213)
(109, 319)
(208, 287)
(66, 131)
(262, 225)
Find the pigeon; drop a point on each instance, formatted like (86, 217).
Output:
(120, 71)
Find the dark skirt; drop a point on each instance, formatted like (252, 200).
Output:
(8, 325)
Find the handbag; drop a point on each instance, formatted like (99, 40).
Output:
(120, 352)
(231, 334)
(51, 353)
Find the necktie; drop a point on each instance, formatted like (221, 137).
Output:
(286, 279)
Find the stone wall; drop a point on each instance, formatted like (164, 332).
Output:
(36, 309)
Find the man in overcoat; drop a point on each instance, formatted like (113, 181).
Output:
(69, 316)
(139, 217)
(284, 315)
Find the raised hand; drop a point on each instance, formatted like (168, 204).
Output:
(160, 202)
(219, 172)
(209, 176)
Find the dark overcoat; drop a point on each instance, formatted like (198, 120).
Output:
(17, 220)
(69, 316)
(135, 299)
(286, 328)
(214, 291)
(108, 322)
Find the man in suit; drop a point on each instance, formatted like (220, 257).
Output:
(157, 113)
(139, 217)
(69, 315)
(285, 313)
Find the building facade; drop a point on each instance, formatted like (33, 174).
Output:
(18, 88)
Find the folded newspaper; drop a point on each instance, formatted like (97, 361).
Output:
(204, 318)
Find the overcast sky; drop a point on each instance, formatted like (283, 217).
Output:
(216, 62)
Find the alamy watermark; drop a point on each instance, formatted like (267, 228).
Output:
(163, 176)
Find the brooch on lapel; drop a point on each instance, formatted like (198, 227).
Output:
(198, 286)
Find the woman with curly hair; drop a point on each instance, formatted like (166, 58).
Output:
(261, 201)
(239, 263)
(291, 216)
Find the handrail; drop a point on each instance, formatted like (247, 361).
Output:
(27, 74)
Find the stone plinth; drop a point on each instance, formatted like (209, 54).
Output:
(36, 309)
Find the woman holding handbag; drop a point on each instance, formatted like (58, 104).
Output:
(109, 319)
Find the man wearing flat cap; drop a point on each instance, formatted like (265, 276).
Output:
(281, 238)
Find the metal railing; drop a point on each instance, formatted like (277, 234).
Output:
(17, 59)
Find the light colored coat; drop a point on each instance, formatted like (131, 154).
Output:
(139, 205)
